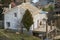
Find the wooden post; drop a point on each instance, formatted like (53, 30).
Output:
(51, 24)
(46, 31)
(33, 26)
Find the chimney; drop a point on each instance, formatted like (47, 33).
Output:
(12, 4)
(9, 6)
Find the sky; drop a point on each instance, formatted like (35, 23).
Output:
(35, 1)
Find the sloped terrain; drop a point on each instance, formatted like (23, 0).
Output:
(13, 36)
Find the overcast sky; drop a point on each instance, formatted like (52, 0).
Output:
(35, 1)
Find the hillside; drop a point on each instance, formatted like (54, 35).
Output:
(13, 36)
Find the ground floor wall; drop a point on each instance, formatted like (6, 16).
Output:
(1, 24)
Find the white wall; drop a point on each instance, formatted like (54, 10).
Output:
(14, 21)
(9, 17)
(36, 18)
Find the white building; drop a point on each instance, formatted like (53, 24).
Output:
(13, 17)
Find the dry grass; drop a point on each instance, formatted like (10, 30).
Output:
(14, 36)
